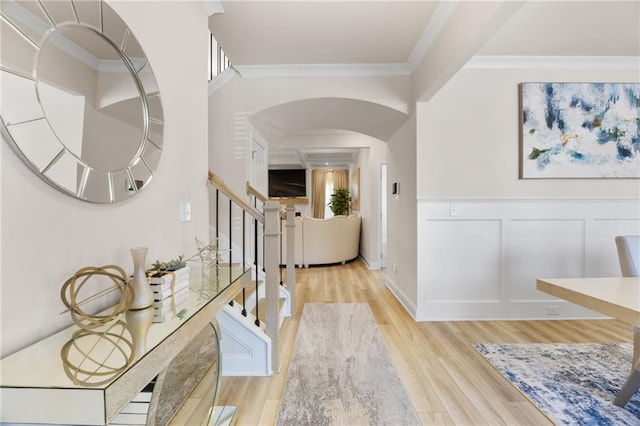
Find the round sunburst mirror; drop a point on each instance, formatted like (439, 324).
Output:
(80, 104)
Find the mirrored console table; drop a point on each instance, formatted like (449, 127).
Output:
(87, 377)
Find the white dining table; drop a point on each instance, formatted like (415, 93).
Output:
(616, 297)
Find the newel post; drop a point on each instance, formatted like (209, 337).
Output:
(291, 251)
(272, 284)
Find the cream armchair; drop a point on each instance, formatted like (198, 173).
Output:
(325, 241)
(333, 240)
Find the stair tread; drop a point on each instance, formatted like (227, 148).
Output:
(249, 292)
(262, 308)
(251, 303)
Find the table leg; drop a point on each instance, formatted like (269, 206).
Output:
(633, 380)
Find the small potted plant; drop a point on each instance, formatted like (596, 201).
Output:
(164, 274)
(171, 265)
(340, 200)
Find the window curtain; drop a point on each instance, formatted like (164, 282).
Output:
(319, 182)
(340, 179)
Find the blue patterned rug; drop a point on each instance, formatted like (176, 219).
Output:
(574, 384)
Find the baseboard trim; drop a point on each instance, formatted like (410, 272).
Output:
(399, 295)
(500, 311)
(373, 266)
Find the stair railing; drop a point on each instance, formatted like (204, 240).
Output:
(288, 259)
(246, 207)
(270, 219)
(288, 213)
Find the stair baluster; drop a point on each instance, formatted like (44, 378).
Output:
(280, 263)
(255, 236)
(290, 210)
(244, 262)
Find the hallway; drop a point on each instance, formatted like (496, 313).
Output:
(447, 380)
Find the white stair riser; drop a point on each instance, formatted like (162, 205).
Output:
(246, 349)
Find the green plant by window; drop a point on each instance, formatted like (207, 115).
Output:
(340, 200)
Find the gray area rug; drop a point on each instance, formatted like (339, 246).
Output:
(341, 373)
(574, 384)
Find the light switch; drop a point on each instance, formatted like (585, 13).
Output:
(185, 211)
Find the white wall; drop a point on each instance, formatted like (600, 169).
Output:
(370, 249)
(469, 140)
(47, 236)
(483, 261)
(239, 98)
(401, 272)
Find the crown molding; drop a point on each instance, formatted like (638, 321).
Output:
(324, 70)
(555, 62)
(220, 80)
(386, 70)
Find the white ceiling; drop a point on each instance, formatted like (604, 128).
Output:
(263, 33)
(320, 32)
(570, 28)
(285, 157)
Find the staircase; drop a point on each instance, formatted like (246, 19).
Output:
(249, 336)
(246, 348)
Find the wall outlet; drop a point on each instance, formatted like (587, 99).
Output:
(553, 310)
(394, 267)
(453, 209)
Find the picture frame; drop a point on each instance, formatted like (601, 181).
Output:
(579, 130)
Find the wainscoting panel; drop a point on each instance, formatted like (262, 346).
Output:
(463, 252)
(481, 259)
(541, 248)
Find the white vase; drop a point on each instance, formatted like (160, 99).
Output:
(142, 293)
(138, 323)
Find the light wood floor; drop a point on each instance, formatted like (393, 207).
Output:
(447, 380)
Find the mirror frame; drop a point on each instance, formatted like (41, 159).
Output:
(137, 173)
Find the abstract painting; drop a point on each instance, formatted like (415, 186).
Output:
(580, 130)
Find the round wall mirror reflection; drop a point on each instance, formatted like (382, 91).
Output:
(80, 104)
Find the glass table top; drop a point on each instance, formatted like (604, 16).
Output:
(93, 359)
